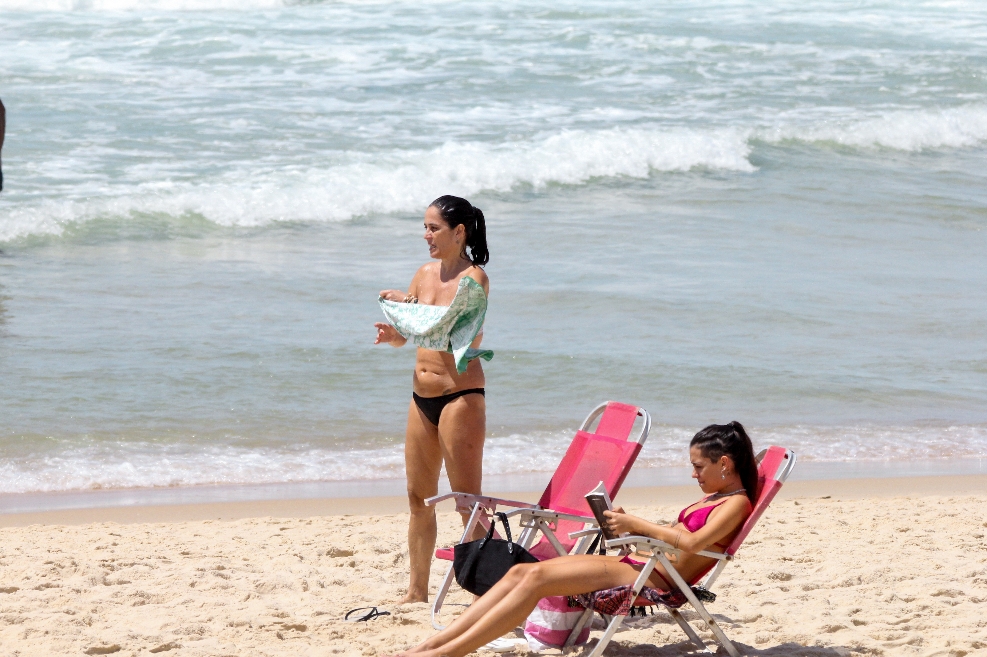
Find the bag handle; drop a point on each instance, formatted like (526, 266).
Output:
(598, 541)
(507, 531)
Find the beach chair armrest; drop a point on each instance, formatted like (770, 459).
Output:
(643, 544)
(468, 499)
(547, 514)
(584, 532)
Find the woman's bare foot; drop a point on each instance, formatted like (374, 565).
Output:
(424, 646)
(417, 651)
(412, 597)
(421, 653)
(408, 653)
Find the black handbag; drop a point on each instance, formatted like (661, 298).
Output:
(481, 564)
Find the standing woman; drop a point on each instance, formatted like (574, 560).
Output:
(442, 313)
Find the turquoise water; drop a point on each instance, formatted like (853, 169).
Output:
(766, 212)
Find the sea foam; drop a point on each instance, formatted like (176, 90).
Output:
(904, 130)
(137, 5)
(182, 5)
(143, 465)
(400, 181)
(405, 180)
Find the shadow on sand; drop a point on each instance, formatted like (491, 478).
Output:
(684, 648)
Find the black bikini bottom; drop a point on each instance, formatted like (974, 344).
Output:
(431, 407)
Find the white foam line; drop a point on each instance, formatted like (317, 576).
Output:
(407, 180)
(136, 5)
(402, 181)
(175, 5)
(147, 465)
(904, 130)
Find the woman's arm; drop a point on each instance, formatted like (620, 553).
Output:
(722, 521)
(413, 287)
(625, 523)
(387, 333)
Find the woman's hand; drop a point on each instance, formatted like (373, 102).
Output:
(388, 334)
(620, 522)
(393, 295)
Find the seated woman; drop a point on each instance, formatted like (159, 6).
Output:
(722, 462)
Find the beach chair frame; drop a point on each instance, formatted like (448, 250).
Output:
(780, 461)
(534, 518)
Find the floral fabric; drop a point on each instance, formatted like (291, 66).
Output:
(449, 328)
(619, 600)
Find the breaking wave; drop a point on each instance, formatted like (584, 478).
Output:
(912, 130)
(400, 182)
(139, 5)
(405, 181)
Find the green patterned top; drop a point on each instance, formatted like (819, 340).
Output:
(449, 328)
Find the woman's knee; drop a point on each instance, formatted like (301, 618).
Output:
(531, 575)
(519, 572)
(416, 503)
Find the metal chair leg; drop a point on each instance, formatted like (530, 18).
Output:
(721, 637)
(475, 517)
(605, 639)
(580, 624)
(689, 631)
(441, 596)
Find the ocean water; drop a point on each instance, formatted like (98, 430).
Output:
(766, 211)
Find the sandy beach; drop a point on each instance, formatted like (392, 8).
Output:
(761, 211)
(879, 567)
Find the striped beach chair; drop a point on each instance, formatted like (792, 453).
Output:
(774, 466)
(604, 454)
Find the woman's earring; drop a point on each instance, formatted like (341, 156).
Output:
(723, 473)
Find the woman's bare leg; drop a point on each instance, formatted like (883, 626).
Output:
(474, 612)
(462, 430)
(516, 595)
(422, 463)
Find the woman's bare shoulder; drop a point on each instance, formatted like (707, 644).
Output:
(478, 275)
(427, 268)
(419, 282)
(424, 271)
(739, 505)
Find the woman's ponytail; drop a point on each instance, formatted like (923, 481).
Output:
(457, 211)
(731, 440)
(476, 239)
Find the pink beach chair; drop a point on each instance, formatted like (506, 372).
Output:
(774, 466)
(605, 454)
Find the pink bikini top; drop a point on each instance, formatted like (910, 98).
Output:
(697, 519)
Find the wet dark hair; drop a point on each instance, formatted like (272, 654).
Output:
(731, 440)
(456, 211)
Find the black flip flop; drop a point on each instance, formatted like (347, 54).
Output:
(370, 615)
